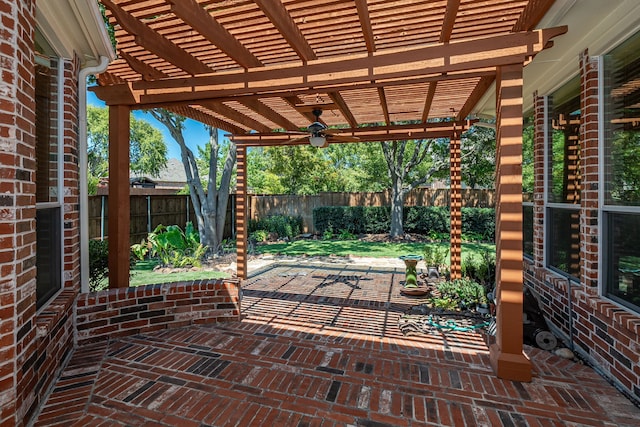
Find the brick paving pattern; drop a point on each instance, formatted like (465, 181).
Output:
(319, 345)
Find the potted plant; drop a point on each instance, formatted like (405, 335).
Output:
(434, 257)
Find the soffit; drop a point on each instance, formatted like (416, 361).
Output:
(163, 44)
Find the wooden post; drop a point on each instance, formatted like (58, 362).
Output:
(118, 196)
(507, 357)
(241, 212)
(455, 206)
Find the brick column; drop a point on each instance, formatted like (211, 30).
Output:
(539, 128)
(507, 357)
(17, 203)
(589, 171)
(241, 212)
(71, 176)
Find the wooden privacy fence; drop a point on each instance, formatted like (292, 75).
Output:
(265, 205)
(147, 212)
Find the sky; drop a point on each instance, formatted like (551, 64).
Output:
(194, 134)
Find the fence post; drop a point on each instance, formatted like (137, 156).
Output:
(102, 217)
(148, 214)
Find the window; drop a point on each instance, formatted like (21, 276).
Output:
(527, 186)
(563, 180)
(621, 163)
(48, 208)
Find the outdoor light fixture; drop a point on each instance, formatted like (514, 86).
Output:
(317, 140)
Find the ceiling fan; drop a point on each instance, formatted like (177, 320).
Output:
(320, 135)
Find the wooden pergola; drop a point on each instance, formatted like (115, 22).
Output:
(258, 69)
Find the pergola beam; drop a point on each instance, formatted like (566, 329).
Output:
(364, 134)
(344, 108)
(191, 13)
(365, 23)
(236, 116)
(464, 56)
(156, 43)
(281, 19)
(266, 112)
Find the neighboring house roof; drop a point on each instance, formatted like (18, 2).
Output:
(172, 173)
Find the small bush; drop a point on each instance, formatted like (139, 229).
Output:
(173, 247)
(98, 264)
(346, 235)
(435, 256)
(465, 292)
(282, 225)
(259, 236)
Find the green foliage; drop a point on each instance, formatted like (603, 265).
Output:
(464, 292)
(625, 158)
(346, 235)
(478, 146)
(427, 220)
(435, 256)
(328, 234)
(98, 264)
(308, 170)
(480, 221)
(174, 247)
(259, 236)
(282, 225)
(481, 269)
(527, 157)
(148, 151)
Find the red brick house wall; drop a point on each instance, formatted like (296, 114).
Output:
(33, 344)
(17, 205)
(604, 333)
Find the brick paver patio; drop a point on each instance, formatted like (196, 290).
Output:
(320, 346)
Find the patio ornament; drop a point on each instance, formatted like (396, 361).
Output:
(411, 286)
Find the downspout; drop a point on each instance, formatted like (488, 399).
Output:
(83, 166)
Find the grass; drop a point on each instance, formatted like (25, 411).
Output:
(364, 249)
(143, 274)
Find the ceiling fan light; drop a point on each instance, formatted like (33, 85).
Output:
(317, 141)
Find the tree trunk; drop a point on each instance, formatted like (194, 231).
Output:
(397, 205)
(210, 206)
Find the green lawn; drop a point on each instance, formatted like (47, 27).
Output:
(143, 274)
(363, 249)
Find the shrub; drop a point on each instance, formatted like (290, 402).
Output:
(259, 236)
(98, 264)
(465, 292)
(477, 223)
(282, 225)
(435, 256)
(174, 247)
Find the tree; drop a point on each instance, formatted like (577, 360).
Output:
(211, 205)
(308, 170)
(408, 169)
(478, 149)
(148, 151)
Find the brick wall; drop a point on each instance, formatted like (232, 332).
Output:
(53, 325)
(130, 311)
(604, 333)
(17, 203)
